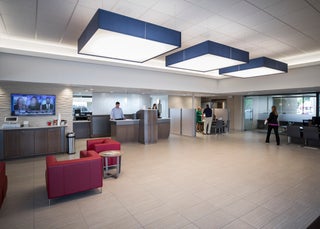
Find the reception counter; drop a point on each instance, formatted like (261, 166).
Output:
(32, 141)
(125, 130)
(128, 130)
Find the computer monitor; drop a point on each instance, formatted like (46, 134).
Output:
(315, 121)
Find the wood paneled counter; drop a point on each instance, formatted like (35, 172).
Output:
(32, 141)
(128, 130)
(125, 130)
(163, 128)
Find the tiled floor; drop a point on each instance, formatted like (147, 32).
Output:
(233, 180)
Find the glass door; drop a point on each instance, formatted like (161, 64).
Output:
(248, 113)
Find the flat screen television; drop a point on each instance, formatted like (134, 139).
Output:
(33, 104)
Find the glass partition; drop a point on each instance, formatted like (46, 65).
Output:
(294, 108)
(82, 104)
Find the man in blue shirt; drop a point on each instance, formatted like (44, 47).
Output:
(207, 120)
(117, 113)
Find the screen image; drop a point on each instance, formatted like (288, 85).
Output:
(33, 104)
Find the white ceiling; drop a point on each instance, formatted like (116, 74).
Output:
(286, 30)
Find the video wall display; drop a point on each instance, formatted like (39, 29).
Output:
(33, 104)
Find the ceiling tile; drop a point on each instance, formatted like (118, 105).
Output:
(49, 32)
(171, 7)
(193, 31)
(96, 4)
(19, 17)
(285, 7)
(306, 21)
(80, 19)
(262, 4)
(129, 9)
(57, 12)
(215, 21)
(176, 24)
(194, 15)
(215, 6)
(239, 10)
(155, 17)
(145, 3)
(255, 19)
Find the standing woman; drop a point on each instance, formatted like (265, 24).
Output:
(273, 124)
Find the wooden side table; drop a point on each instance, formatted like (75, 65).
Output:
(108, 154)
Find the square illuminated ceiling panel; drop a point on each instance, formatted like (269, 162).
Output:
(207, 56)
(256, 67)
(120, 37)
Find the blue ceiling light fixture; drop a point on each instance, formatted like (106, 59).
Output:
(256, 67)
(120, 37)
(206, 56)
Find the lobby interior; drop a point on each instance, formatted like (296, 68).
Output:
(229, 180)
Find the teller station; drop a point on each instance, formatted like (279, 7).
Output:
(144, 126)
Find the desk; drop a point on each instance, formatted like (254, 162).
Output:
(303, 135)
(128, 130)
(218, 125)
(106, 155)
(125, 130)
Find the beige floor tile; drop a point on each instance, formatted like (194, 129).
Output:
(182, 202)
(150, 216)
(169, 222)
(190, 226)
(123, 222)
(238, 224)
(240, 207)
(203, 182)
(223, 200)
(258, 217)
(279, 204)
(144, 205)
(216, 219)
(198, 211)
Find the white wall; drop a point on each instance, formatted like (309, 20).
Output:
(21, 68)
(184, 102)
(63, 101)
(43, 70)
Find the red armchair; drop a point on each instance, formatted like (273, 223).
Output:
(104, 144)
(72, 176)
(3, 182)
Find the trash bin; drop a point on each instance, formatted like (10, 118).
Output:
(71, 148)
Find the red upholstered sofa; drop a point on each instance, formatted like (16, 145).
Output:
(104, 144)
(72, 176)
(3, 182)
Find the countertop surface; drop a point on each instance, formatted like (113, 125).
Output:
(81, 121)
(32, 127)
(135, 121)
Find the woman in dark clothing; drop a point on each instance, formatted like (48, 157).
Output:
(273, 124)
